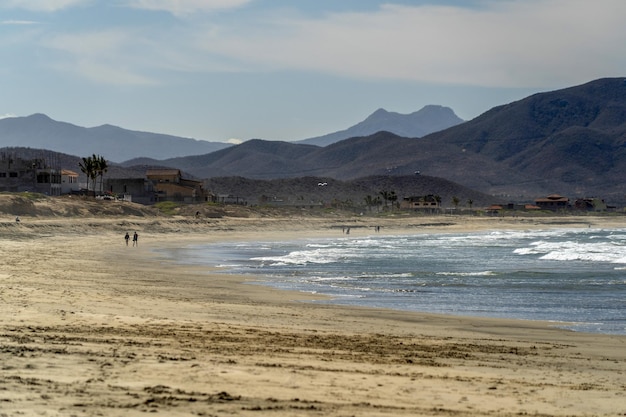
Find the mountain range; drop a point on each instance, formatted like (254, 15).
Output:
(117, 144)
(570, 141)
(112, 142)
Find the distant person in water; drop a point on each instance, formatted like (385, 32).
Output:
(135, 239)
(127, 238)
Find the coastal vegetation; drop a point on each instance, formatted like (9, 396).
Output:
(94, 167)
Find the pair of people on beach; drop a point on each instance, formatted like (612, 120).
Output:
(135, 239)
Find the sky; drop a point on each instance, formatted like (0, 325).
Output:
(233, 70)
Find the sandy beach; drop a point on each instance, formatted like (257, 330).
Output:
(92, 327)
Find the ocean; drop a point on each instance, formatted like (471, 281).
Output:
(575, 278)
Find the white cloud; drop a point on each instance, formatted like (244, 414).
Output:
(515, 43)
(18, 22)
(512, 43)
(42, 5)
(121, 56)
(109, 57)
(7, 116)
(185, 7)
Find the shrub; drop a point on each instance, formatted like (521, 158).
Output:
(167, 207)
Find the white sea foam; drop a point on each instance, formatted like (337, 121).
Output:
(468, 274)
(570, 250)
(386, 275)
(303, 257)
(327, 279)
(568, 275)
(226, 266)
(525, 251)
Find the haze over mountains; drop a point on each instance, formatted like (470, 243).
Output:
(429, 119)
(118, 145)
(570, 141)
(112, 142)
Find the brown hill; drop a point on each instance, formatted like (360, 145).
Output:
(573, 139)
(570, 141)
(311, 191)
(296, 191)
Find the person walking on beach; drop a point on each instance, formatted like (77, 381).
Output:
(127, 238)
(135, 239)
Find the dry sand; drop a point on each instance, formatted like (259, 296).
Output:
(91, 327)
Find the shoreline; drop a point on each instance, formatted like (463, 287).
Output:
(90, 326)
(321, 297)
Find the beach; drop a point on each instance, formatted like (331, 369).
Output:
(91, 326)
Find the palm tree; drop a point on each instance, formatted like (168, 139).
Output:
(93, 167)
(101, 168)
(88, 167)
(456, 201)
(470, 202)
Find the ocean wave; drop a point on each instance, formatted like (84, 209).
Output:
(468, 274)
(568, 275)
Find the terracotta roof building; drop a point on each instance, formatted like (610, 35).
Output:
(553, 202)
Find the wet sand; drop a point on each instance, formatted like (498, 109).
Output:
(90, 326)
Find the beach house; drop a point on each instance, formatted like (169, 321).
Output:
(169, 185)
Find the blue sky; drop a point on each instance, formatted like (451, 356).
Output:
(289, 70)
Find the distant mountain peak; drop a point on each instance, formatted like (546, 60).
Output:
(378, 112)
(379, 115)
(436, 109)
(431, 118)
(39, 116)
